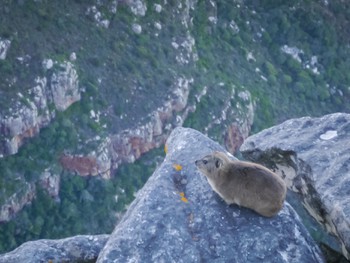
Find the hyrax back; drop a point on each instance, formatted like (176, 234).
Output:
(243, 183)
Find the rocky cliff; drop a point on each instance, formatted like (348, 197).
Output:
(106, 131)
(312, 155)
(28, 113)
(176, 217)
(33, 110)
(128, 145)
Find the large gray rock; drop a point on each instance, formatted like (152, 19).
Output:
(73, 249)
(313, 156)
(176, 217)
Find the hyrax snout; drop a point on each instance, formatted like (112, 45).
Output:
(244, 183)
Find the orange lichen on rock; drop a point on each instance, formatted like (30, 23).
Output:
(177, 167)
(183, 198)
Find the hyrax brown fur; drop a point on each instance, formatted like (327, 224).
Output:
(243, 183)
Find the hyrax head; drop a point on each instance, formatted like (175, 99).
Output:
(210, 164)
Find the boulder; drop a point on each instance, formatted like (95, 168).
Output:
(313, 156)
(73, 249)
(138, 7)
(176, 217)
(65, 86)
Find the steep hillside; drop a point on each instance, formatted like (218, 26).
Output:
(86, 86)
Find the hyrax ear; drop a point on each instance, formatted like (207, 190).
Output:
(218, 163)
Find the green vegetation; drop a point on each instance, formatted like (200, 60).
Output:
(86, 205)
(291, 90)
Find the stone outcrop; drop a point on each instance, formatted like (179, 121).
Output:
(25, 193)
(239, 129)
(138, 7)
(234, 138)
(31, 111)
(64, 86)
(50, 181)
(82, 165)
(129, 144)
(312, 154)
(177, 217)
(4, 46)
(13, 204)
(73, 249)
(28, 113)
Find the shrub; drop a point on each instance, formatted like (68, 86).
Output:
(270, 69)
(287, 79)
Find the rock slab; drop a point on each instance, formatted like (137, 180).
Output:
(176, 217)
(313, 156)
(73, 249)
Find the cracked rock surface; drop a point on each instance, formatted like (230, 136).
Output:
(176, 217)
(313, 156)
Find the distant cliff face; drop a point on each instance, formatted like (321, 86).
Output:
(73, 249)
(178, 217)
(139, 111)
(57, 86)
(31, 111)
(119, 114)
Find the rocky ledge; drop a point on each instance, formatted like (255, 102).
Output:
(31, 111)
(176, 217)
(73, 249)
(313, 156)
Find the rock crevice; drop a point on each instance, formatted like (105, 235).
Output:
(312, 154)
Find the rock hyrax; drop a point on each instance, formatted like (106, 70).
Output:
(243, 183)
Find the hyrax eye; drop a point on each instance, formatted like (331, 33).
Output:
(205, 161)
